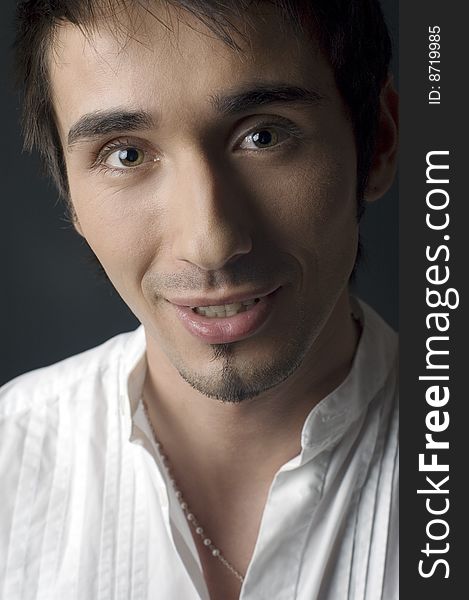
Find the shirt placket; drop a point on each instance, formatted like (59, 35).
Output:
(293, 497)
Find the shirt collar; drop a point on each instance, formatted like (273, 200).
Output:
(132, 370)
(374, 360)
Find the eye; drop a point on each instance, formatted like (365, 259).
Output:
(263, 137)
(125, 157)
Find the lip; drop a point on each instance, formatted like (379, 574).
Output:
(193, 301)
(223, 330)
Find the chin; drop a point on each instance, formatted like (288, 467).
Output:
(234, 379)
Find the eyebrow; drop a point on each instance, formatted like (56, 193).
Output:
(263, 95)
(103, 122)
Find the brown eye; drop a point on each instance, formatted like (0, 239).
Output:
(131, 157)
(126, 157)
(265, 137)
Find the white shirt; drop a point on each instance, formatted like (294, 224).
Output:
(85, 512)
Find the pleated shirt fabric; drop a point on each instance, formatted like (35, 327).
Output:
(86, 512)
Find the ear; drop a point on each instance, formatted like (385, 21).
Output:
(75, 221)
(384, 162)
(78, 229)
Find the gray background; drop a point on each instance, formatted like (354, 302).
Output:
(52, 301)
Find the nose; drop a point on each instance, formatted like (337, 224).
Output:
(210, 220)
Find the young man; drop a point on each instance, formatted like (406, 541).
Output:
(242, 442)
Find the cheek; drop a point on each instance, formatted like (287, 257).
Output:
(121, 227)
(312, 212)
(313, 206)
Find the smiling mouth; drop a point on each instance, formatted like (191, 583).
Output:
(225, 310)
(234, 321)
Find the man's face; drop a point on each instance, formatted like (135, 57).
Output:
(203, 176)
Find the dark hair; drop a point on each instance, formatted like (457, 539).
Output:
(352, 34)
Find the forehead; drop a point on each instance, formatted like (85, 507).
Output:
(171, 59)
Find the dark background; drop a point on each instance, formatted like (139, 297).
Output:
(53, 303)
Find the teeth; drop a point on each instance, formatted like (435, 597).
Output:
(224, 310)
